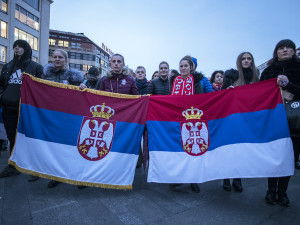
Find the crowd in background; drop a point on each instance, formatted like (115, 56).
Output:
(285, 66)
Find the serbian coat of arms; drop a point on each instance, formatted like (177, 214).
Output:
(194, 132)
(96, 133)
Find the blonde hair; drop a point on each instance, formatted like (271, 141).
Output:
(65, 54)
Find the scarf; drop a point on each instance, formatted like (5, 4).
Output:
(217, 87)
(183, 87)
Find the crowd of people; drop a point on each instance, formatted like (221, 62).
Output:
(285, 66)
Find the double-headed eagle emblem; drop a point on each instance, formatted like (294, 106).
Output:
(194, 132)
(96, 134)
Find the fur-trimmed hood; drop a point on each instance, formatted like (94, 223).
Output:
(110, 72)
(72, 76)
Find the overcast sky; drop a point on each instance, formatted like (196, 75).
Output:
(147, 32)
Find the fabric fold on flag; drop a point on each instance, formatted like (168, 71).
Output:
(82, 137)
(235, 133)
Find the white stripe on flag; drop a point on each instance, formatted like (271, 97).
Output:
(64, 161)
(273, 159)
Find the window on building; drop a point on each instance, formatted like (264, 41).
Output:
(33, 3)
(33, 41)
(52, 41)
(3, 29)
(85, 57)
(26, 17)
(86, 67)
(72, 55)
(3, 5)
(62, 43)
(78, 56)
(75, 45)
(2, 53)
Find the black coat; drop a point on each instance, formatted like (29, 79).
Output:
(159, 86)
(290, 68)
(9, 97)
(197, 78)
(142, 86)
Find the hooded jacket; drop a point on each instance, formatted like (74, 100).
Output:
(10, 83)
(66, 76)
(119, 83)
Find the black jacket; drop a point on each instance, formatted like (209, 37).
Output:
(11, 98)
(142, 86)
(197, 78)
(68, 76)
(159, 86)
(290, 68)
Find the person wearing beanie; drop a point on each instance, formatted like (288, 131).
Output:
(206, 85)
(92, 79)
(285, 66)
(10, 84)
(246, 74)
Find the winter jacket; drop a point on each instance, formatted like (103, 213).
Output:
(230, 77)
(197, 84)
(206, 85)
(290, 68)
(119, 83)
(142, 86)
(159, 86)
(67, 76)
(10, 93)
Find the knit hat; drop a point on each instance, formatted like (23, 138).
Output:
(93, 72)
(195, 62)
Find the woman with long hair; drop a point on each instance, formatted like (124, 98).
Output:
(246, 73)
(285, 65)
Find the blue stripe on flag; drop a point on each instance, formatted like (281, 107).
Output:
(252, 127)
(64, 128)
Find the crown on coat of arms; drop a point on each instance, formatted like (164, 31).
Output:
(102, 111)
(192, 113)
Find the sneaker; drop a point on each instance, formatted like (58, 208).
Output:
(283, 198)
(53, 183)
(271, 197)
(226, 185)
(195, 188)
(237, 185)
(32, 178)
(9, 171)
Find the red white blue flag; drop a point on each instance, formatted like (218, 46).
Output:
(80, 137)
(234, 133)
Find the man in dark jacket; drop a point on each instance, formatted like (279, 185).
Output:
(141, 81)
(117, 80)
(92, 79)
(10, 84)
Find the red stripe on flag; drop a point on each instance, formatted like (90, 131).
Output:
(216, 105)
(79, 103)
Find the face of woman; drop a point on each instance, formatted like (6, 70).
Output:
(155, 76)
(219, 78)
(185, 69)
(246, 60)
(285, 53)
(59, 61)
(163, 70)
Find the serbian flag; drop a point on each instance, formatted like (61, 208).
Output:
(234, 133)
(84, 137)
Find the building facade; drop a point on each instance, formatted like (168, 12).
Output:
(27, 20)
(82, 52)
